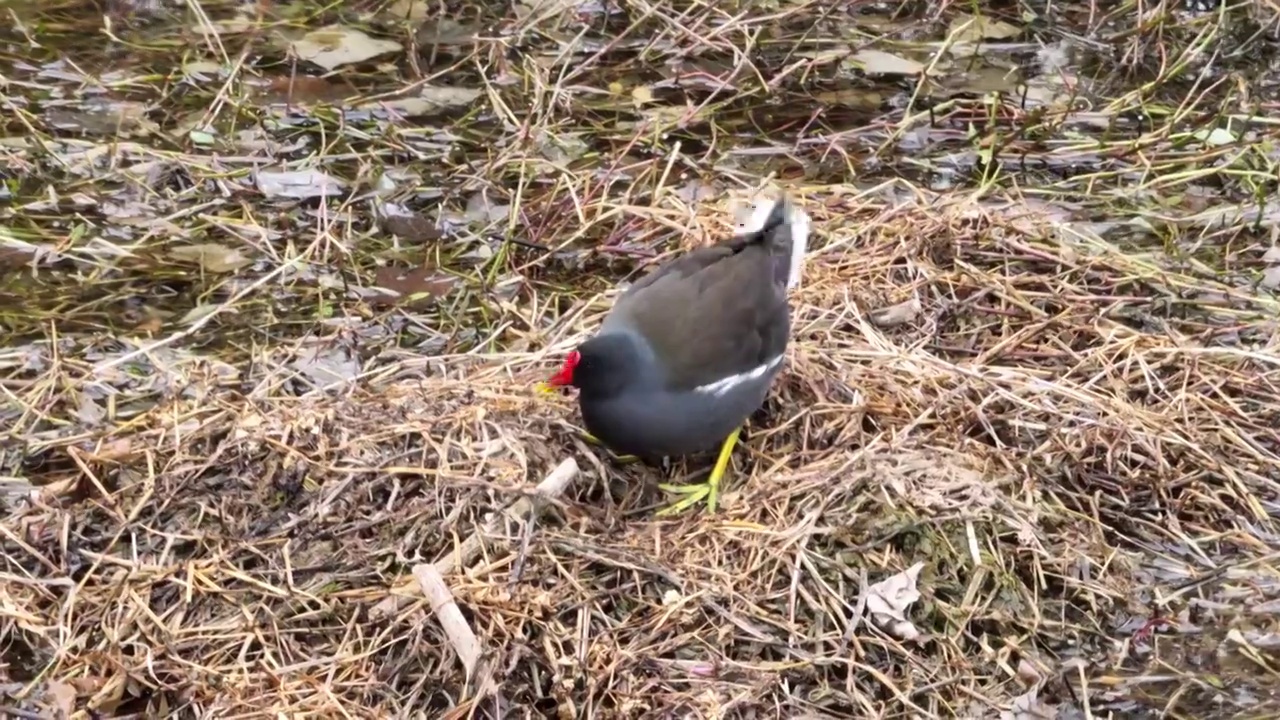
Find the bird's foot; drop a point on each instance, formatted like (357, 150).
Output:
(709, 490)
(593, 440)
(693, 493)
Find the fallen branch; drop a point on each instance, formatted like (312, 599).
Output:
(551, 487)
(455, 626)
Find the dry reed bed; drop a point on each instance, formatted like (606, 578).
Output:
(1077, 439)
(1059, 471)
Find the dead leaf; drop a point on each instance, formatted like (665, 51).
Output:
(699, 72)
(123, 118)
(560, 148)
(300, 90)
(446, 32)
(298, 184)
(967, 28)
(682, 116)
(51, 492)
(894, 315)
(1028, 707)
(17, 255)
(16, 487)
(89, 412)
(411, 10)
(984, 79)
(430, 99)
(889, 600)
(878, 62)
(1271, 278)
(824, 57)
(1215, 137)
(1028, 672)
(581, 9)
(203, 70)
(131, 212)
(114, 450)
(52, 202)
(211, 257)
(149, 325)
(697, 190)
(934, 480)
(857, 98)
(391, 179)
(198, 313)
(411, 227)
(325, 364)
(482, 210)
(410, 287)
(62, 698)
(335, 45)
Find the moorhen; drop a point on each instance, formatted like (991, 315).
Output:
(690, 351)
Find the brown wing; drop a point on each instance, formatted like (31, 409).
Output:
(712, 313)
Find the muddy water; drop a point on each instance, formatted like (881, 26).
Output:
(142, 132)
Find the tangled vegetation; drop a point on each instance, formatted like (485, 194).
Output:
(277, 280)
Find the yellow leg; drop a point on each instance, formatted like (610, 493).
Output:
(711, 488)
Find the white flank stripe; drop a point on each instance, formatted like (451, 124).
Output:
(724, 385)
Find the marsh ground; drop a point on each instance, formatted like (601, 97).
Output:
(276, 280)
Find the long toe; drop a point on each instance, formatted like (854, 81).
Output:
(593, 440)
(709, 490)
(693, 493)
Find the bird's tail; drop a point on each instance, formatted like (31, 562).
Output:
(784, 227)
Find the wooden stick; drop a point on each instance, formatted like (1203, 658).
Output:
(446, 610)
(551, 487)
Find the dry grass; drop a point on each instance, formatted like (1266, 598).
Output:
(1071, 418)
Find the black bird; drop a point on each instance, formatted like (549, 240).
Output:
(690, 351)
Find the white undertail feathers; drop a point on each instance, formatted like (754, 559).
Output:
(799, 223)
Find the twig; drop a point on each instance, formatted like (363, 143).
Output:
(455, 626)
(851, 632)
(551, 487)
(522, 556)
